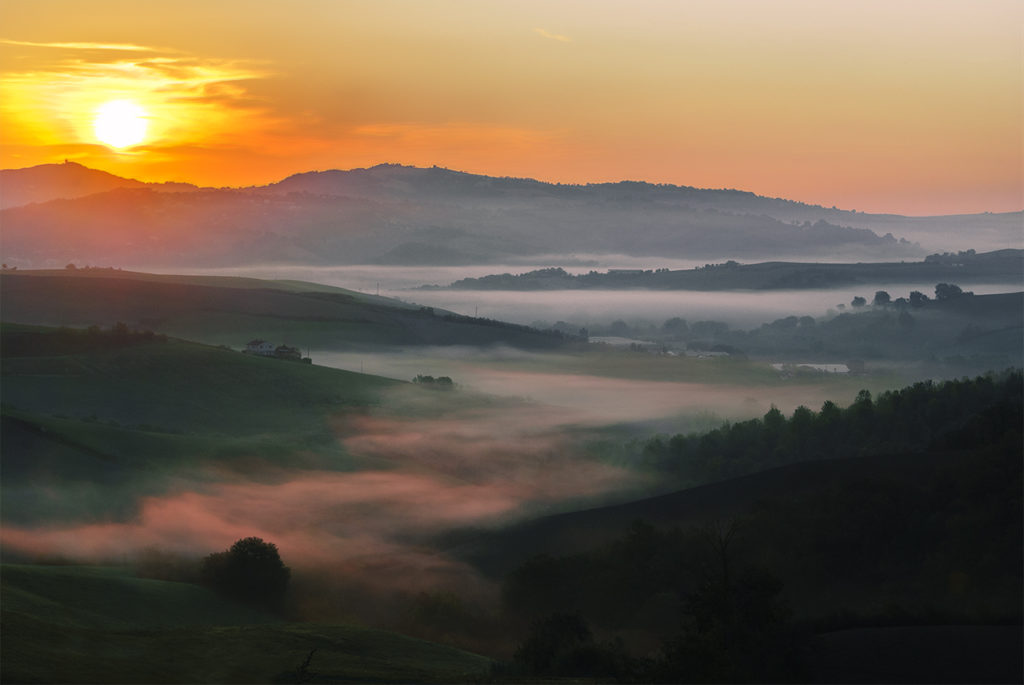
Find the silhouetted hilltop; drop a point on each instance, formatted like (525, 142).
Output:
(69, 180)
(56, 181)
(392, 214)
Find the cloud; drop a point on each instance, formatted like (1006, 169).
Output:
(126, 47)
(52, 95)
(552, 36)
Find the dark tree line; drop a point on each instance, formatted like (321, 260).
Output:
(442, 382)
(933, 538)
(897, 421)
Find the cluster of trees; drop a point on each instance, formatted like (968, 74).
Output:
(72, 267)
(441, 382)
(950, 257)
(897, 421)
(916, 299)
(707, 334)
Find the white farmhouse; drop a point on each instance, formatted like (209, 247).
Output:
(260, 347)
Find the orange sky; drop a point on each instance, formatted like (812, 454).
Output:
(908, 107)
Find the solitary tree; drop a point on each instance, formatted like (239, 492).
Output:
(858, 301)
(250, 570)
(881, 299)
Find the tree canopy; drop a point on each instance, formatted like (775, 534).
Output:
(250, 570)
(897, 421)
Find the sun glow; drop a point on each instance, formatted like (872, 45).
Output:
(120, 123)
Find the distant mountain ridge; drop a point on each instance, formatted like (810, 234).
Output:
(393, 214)
(66, 181)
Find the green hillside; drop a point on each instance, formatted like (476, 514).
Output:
(101, 625)
(233, 311)
(100, 420)
(176, 386)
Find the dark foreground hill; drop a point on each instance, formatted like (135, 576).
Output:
(838, 570)
(233, 311)
(68, 624)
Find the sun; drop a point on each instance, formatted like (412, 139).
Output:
(120, 123)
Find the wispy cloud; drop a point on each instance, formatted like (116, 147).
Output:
(127, 47)
(552, 36)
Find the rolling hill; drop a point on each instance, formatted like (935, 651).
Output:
(103, 625)
(64, 182)
(101, 420)
(391, 214)
(233, 311)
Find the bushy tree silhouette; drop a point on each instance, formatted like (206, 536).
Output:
(250, 570)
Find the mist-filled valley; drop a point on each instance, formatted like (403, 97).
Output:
(400, 424)
(442, 473)
(377, 341)
(738, 308)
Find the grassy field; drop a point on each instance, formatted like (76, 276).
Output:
(177, 386)
(232, 311)
(239, 282)
(93, 430)
(102, 625)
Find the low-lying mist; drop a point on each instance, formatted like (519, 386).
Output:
(579, 399)
(739, 309)
(437, 466)
(512, 441)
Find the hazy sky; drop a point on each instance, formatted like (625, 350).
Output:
(906, 106)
